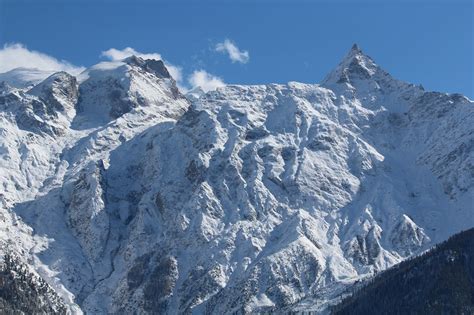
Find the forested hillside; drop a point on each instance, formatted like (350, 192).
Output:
(23, 292)
(441, 281)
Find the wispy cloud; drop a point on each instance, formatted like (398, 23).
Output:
(235, 54)
(117, 54)
(17, 55)
(120, 54)
(205, 80)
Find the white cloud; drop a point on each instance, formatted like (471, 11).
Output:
(205, 80)
(175, 71)
(16, 55)
(116, 54)
(235, 54)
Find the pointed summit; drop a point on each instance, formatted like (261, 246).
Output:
(354, 66)
(355, 47)
(357, 75)
(354, 52)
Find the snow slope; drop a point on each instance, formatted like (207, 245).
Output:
(24, 77)
(126, 197)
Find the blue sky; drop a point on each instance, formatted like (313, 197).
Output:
(427, 42)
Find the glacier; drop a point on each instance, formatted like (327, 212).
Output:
(126, 195)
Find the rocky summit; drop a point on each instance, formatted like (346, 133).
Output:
(122, 194)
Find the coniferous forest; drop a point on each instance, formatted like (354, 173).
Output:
(440, 281)
(22, 292)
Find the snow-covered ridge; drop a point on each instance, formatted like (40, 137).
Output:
(24, 77)
(126, 197)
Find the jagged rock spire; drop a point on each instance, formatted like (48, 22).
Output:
(354, 65)
(356, 47)
(157, 67)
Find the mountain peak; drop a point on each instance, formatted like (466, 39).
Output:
(61, 84)
(151, 65)
(354, 66)
(356, 58)
(354, 53)
(356, 47)
(59, 92)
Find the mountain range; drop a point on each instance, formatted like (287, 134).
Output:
(124, 194)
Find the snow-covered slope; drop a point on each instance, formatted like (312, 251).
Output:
(24, 77)
(49, 145)
(127, 198)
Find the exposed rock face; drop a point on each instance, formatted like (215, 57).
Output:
(60, 91)
(156, 67)
(252, 198)
(48, 108)
(85, 210)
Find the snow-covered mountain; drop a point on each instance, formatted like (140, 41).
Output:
(126, 196)
(24, 77)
